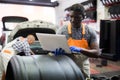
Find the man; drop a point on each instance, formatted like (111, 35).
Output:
(81, 39)
(16, 46)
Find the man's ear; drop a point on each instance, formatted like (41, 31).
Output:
(84, 16)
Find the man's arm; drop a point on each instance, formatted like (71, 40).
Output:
(94, 50)
(32, 53)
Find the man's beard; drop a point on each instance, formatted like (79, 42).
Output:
(76, 24)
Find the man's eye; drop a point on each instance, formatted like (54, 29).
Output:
(80, 16)
(71, 16)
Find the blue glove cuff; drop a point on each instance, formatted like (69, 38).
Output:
(75, 49)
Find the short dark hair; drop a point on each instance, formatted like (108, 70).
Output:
(77, 7)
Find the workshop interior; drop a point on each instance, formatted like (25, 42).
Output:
(24, 17)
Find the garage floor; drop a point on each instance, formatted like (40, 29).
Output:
(108, 69)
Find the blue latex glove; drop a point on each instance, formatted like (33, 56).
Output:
(59, 51)
(75, 49)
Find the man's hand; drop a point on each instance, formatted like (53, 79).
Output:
(59, 51)
(75, 49)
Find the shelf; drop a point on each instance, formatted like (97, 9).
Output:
(115, 18)
(91, 9)
(89, 5)
(89, 21)
(107, 3)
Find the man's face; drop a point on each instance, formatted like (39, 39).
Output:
(31, 41)
(75, 19)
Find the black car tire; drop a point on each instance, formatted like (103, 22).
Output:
(42, 67)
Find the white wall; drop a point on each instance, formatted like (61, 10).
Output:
(31, 12)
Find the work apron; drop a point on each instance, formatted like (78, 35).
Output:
(7, 53)
(5, 56)
(81, 60)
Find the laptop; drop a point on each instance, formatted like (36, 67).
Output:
(50, 42)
